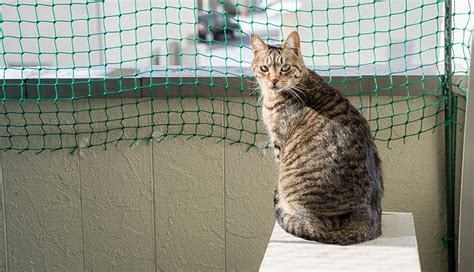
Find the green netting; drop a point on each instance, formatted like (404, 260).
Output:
(92, 73)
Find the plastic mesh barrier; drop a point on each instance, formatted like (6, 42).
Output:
(79, 73)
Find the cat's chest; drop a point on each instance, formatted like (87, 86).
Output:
(280, 120)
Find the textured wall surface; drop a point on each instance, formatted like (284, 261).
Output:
(192, 205)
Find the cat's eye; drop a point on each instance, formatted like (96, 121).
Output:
(264, 68)
(285, 67)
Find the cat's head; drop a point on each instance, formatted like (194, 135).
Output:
(277, 68)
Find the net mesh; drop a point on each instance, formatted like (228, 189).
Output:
(84, 73)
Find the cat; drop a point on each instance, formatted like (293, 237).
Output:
(330, 183)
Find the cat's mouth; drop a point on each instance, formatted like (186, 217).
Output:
(276, 88)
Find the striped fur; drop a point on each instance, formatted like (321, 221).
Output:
(330, 183)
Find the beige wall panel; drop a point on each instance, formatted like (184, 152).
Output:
(42, 192)
(414, 173)
(117, 190)
(117, 201)
(250, 178)
(3, 245)
(189, 194)
(43, 212)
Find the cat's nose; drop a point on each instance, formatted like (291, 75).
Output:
(274, 81)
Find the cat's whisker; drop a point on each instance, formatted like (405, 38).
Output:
(300, 86)
(301, 91)
(292, 91)
(251, 80)
(257, 90)
(254, 90)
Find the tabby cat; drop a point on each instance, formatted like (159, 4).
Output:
(330, 183)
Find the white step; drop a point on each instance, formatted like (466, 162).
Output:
(395, 250)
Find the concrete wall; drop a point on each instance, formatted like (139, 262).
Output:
(183, 205)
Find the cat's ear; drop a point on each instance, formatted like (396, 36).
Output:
(257, 43)
(293, 42)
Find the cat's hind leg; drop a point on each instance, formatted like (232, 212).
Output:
(343, 229)
(359, 226)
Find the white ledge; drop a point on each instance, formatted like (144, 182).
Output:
(395, 250)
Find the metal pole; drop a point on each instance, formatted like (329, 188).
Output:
(466, 216)
(450, 139)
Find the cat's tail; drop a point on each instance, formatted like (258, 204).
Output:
(327, 229)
